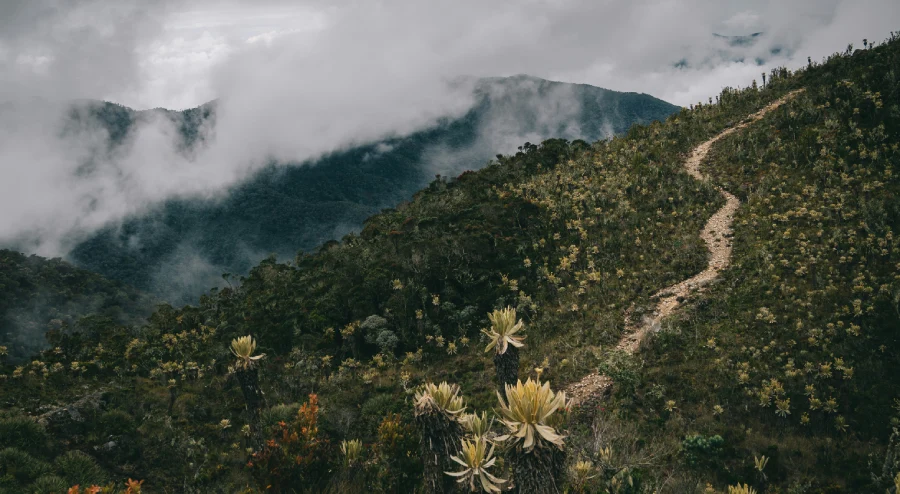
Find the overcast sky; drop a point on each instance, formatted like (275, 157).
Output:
(297, 79)
(151, 53)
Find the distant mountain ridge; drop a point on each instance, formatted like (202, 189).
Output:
(181, 247)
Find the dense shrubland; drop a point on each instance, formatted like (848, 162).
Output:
(777, 378)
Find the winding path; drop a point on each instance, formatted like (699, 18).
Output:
(716, 234)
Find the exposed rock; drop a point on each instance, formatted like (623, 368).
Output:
(76, 411)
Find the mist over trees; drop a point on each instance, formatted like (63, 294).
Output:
(181, 247)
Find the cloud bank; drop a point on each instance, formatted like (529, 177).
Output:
(294, 81)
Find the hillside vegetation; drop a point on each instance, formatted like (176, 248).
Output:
(180, 248)
(777, 377)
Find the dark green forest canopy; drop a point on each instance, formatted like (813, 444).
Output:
(39, 295)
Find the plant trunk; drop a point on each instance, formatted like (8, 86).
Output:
(507, 365)
(253, 396)
(538, 471)
(440, 440)
(173, 394)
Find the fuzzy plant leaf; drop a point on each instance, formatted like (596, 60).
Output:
(582, 472)
(442, 398)
(741, 489)
(351, 451)
(528, 412)
(476, 458)
(243, 348)
(504, 327)
(477, 426)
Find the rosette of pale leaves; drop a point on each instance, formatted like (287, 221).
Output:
(504, 327)
(581, 473)
(351, 451)
(243, 348)
(441, 397)
(477, 426)
(528, 413)
(741, 489)
(476, 458)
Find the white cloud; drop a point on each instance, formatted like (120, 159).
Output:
(742, 23)
(298, 80)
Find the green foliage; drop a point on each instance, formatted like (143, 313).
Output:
(23, 433)
(49, 484)
(270, 417)
(795, 342)
(78, 468)
(41, 295)
(116, 423)
(699, 450)
(624, 369)
(397, 469)
(19, 466)
(294, 455)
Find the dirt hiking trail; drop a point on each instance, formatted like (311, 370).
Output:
(716, 234)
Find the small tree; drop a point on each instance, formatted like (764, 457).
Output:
(437, 410)
(506, 344)
(536, 454)
(247, 375)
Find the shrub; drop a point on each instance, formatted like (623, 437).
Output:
(398, 465)
(23, 433)
(387, 340)
(49, 484)
(116, 423)
(437, 409)
(270, 417)
(699, 450)
(295, 454)
(624, 370)
(77, 468)
(21, 466)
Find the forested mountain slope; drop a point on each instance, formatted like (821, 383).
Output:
(778, 377)
(181, 248)
(38, 295)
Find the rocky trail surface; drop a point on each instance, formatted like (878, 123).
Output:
(717, 236)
